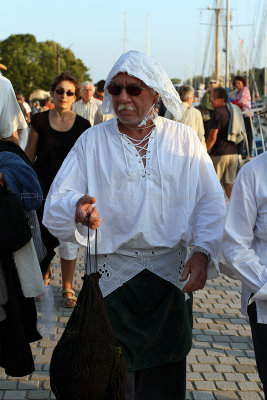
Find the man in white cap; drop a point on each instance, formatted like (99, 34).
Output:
(156, 192)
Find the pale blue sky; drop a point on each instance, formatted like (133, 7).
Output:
(94, 30)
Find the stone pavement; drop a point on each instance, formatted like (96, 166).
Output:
(221, 363)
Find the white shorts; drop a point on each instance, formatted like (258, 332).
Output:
(68, 250)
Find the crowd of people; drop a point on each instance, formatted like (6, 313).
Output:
(154, 186)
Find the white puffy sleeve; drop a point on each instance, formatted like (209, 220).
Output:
(208, 215)
(243, 216)
(69, 185)
(11, 117)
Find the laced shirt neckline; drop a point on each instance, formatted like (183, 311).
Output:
(141, 145)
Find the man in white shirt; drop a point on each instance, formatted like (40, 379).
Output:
(191, 116)
(87, 106)
(11, 117)
(156, 192)
(245, 250)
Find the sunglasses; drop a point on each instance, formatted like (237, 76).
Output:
(115, 90)
(69, 93)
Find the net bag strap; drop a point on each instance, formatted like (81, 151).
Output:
(88, 251)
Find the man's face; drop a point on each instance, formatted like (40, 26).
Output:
(216, 102)
(129, 109)
(190, 100)
(87, 93)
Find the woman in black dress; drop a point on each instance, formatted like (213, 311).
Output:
(52, 135)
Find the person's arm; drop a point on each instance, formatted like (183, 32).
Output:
(2, 181)
(31, 148)
(68, 204)
(196, 267)
(212, 138)
(13, 138)
(239, 230)
(206, 222)
(84, 209)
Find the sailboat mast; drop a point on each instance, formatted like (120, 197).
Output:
(227, 61)
(148, 34)
(247, 65)
(217, 75)
(265, 68)
(241, 57)
(125, 32)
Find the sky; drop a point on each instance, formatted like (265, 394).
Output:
(180, 31)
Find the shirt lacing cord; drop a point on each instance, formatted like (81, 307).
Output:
(139, 145)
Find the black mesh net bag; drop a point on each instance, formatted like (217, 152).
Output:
(87, 362)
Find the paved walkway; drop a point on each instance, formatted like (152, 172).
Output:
(221, 363)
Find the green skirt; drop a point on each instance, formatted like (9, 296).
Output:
(151, 320)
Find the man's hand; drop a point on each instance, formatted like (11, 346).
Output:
(196, 266)
(84, 208)
(2, 181)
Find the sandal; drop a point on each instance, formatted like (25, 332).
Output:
(66, 298)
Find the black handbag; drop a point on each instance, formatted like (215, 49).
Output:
(14, 228)
(87, 362)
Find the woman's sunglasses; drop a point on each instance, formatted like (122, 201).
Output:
(69, 93)
(115, 90)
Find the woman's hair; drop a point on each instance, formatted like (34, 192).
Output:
(66, 76)
(239, 78)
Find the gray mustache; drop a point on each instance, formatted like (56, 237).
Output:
(125, 107)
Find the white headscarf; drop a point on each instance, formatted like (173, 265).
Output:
(151, 73)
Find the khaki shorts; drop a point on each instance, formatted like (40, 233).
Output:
(226, 167)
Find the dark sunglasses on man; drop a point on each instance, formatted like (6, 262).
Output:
(60, 91)
(115, 90)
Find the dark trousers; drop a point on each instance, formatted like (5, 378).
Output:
(259, 337)
(249, 136)
(165, 382)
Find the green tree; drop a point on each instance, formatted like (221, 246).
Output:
(196, 81)
(75, 65)
(48, 62)
(32, 65)
(20, 54)
(177, 81)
